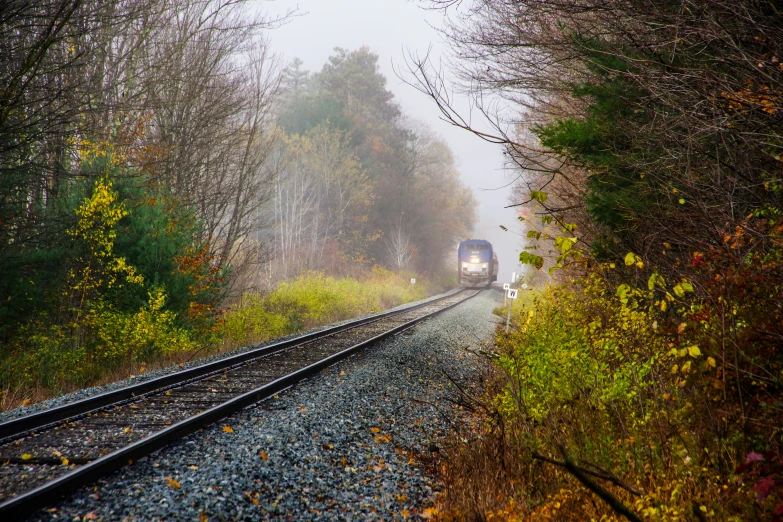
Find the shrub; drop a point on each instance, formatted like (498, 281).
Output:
(315, 299)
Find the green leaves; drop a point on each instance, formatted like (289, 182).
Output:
(681, 288)
(655, 279)
(526, 258)
(532, 234)
(538, 195)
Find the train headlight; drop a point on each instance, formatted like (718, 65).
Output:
(484, 266)
(474, 260)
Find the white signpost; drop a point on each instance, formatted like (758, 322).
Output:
(506, 286)
(513, 277)
(511, 293)
(413, 280)
(524, 286)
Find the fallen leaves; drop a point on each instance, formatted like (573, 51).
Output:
(252, 498)
(27, 456)
(263, 455)
(172, 483)
(375, 430)
(228, 429)
(429, 513)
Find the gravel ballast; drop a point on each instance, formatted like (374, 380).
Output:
(346, 444)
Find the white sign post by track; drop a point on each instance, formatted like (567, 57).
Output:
(506, 286)
(512, 294)
(413, 280)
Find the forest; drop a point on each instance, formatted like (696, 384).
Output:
(168, 187)
(646, 381)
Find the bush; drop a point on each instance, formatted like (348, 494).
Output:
(623, 379)
(315, 299)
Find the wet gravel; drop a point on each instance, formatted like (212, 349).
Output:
(95, 390)
(346, 445)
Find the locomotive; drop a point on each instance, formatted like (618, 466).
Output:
(477, 263)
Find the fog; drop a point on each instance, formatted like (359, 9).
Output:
(391, 29)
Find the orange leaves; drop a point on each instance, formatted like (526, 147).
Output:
(173, 484)
(759, 97)
(228, 429)
(382, 438)
(253, 497)
(263, 455)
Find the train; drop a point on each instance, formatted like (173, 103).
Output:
(477, 263)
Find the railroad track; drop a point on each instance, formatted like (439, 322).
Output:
(51, 453)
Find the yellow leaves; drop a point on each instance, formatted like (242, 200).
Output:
(631, 259)
(128, 430)
(202, 517)
(675, 368)
(694, 351)
(228, 429)
(686, 367)
(710, 362)
(263, 455)
(98, 216)
(375, 430)
(429, 513)
(64, 461)
(173, 484)
(27, 456)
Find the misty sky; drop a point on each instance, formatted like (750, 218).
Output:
(390, 28)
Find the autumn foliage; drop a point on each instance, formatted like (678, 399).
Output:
(649, 143)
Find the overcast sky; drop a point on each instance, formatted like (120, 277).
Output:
(390, 28)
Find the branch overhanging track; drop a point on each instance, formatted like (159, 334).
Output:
(54, 452)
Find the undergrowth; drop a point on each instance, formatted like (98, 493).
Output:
(635, 394)
(314, 300)
(48, 362)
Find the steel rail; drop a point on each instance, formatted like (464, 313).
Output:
(28, 424)
(29, 501)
